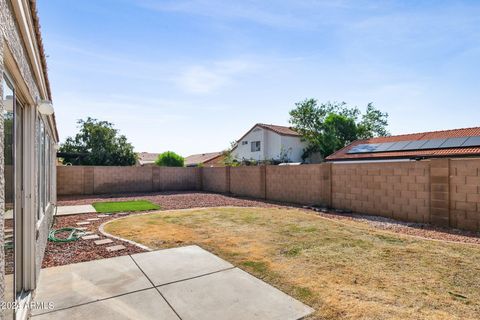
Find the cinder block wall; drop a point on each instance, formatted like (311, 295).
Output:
(248, 181)
(176, 179)
(121, 179)
(70, 180)
(304, 184)
(464, 192)
(397, 190)
(444, 192)
(84, 180)
(216, 179)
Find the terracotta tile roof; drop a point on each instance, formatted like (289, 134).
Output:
(283, 130)
(343, 154)
(147, 157)
(195, 159)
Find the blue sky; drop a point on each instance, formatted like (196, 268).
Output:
(193, 75)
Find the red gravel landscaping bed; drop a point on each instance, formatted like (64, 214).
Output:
(86, 250)
(168, 200)
(61, 253)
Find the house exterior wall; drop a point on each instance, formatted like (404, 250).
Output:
(244, 151)
(2, 173)
(21, 61)
(271, 146)
(294, 147)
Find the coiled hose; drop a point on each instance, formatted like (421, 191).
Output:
(74, 235)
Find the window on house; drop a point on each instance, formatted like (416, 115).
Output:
(40, 153)
(47, 169)
(244, 142)
(255, 146)
(44, 168)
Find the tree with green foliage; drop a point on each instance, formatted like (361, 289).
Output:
(228, 159)
(170, 159)
(328, 127)
(97, 143)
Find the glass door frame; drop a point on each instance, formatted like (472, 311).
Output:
(25, 232)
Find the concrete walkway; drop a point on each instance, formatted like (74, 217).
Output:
(69, 210)
(186, 283)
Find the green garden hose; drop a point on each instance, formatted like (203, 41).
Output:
(74, 235)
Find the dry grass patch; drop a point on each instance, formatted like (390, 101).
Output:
(345, 270)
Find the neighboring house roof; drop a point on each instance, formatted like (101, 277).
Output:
(146, 157)
(282, 130)
(394, 151)
(196, 159)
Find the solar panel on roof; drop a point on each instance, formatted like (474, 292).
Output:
(453, 142)
(384, 146)
(472, 142)
(364, 148)
(398, 145)
(456, 142)
(414, 145)
(432, 144)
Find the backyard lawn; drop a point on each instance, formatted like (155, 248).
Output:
(343, 269)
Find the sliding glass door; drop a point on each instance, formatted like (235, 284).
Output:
(13, 209)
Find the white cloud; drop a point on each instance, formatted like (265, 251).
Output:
(204, 79)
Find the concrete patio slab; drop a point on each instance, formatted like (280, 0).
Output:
(142, 305)
(195, 285)
(231, 294)
(178, 264)
(74, 284)
(69, 210)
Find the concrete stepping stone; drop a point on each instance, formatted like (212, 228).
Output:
(103, 241)
(81, 228)
(93, 219)
(91, 237)
(8, 236)
(83, 223)
(102, 215)
(115, 248)
(8, 230)
(86, 233)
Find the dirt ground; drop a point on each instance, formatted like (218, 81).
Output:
(344, 268)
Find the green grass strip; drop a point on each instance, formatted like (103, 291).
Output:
(124, 206)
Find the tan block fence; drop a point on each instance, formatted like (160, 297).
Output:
(444, 192)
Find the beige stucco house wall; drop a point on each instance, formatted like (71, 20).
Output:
(28, 142)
